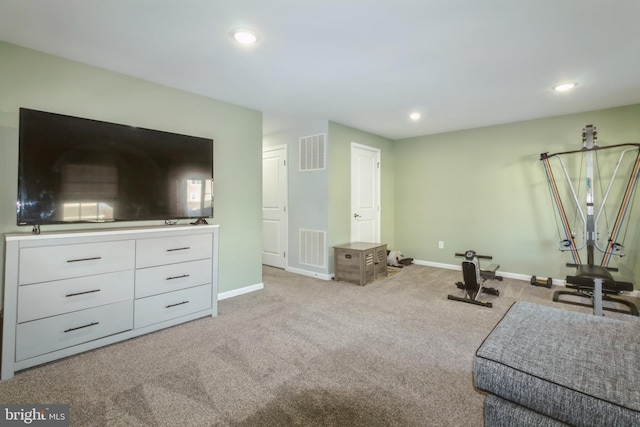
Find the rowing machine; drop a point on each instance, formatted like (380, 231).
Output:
(474, 278)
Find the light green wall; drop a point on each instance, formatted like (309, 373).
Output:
(339, 164)
(485, 189)
(39, 81)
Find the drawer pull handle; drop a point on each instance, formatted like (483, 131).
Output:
(348, 256)
(82, 293)
(178, 277)
(179, 303)
(84, 259)
(81, 327)
(179, 249)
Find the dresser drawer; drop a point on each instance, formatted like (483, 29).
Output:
(55, 333)
(172, 277)
(67, 261)
(64, 296)
(167, 306)
(170, 250)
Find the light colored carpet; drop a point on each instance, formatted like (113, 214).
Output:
(301, 352)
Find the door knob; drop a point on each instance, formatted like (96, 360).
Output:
(355, 215)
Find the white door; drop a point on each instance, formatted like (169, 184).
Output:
(274, 206)
(365, 193)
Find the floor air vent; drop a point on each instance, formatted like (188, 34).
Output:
(313, 248)
(312, 152)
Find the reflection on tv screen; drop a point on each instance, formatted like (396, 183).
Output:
(79, 170)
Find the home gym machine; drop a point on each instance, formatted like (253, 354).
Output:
(591, 280)
(474, 278)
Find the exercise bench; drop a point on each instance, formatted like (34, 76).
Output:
(597, 283)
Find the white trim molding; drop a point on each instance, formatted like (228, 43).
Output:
(240, 291)
(322, 276)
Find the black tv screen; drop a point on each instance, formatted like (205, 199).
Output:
(74, 170)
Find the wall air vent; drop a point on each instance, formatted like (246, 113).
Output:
(313, 248)
(312, 152)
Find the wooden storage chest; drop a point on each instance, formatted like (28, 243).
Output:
(360, 262)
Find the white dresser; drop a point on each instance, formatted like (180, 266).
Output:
(69, 292)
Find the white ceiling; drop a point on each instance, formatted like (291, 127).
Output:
(362, 63)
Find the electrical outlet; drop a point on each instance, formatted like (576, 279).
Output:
(441, 244)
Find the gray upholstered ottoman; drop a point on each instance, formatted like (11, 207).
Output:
(546, 366)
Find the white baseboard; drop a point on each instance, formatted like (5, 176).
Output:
(260, 286)
(437, 265)
(309, 273)
(459, 268)
(517, 276)
(240, 291)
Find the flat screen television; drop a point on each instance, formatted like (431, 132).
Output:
(78, 170)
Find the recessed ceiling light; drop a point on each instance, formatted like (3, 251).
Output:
(563, 87)
(245, 36)
(414, 116)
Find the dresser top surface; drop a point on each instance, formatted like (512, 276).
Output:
(110, 231)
